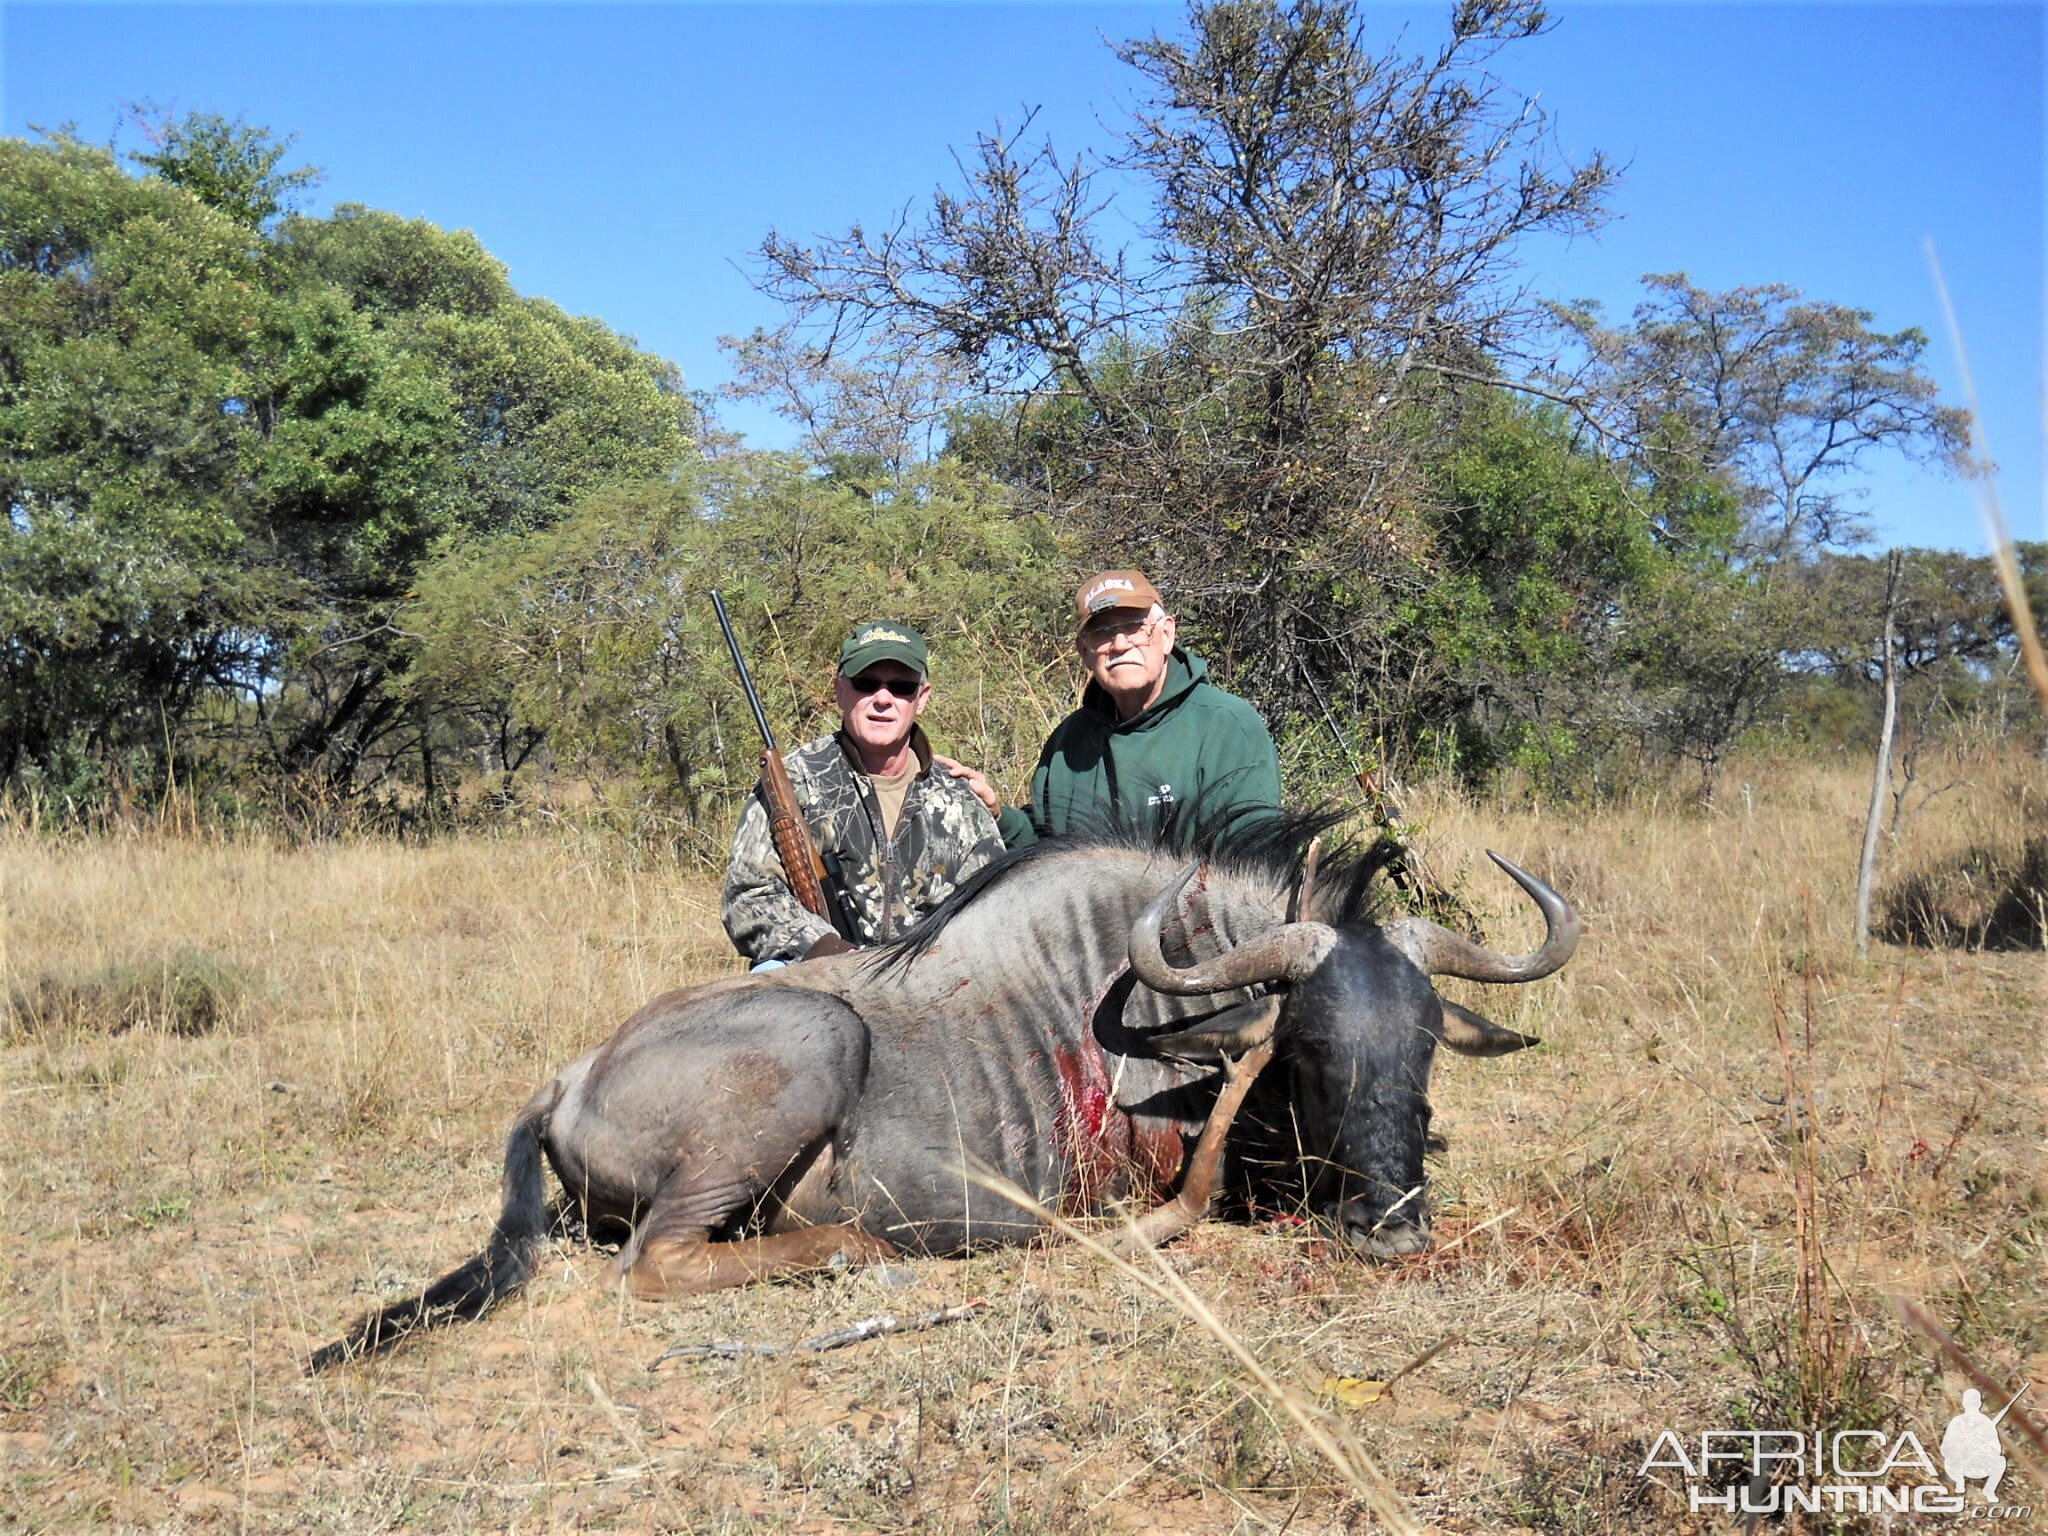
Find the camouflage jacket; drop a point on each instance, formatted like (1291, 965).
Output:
(943, 836)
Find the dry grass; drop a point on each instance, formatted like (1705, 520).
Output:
(1688, 1206)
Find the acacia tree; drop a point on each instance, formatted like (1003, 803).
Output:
(1777, 396)
(1760, 401)
(1240, 400)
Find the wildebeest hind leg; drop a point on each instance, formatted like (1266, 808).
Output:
(674, 1252)
(686, 1264)
(735, 1115)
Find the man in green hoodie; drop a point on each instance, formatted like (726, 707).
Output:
(1152, 731)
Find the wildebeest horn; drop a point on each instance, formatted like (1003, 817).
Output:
(1472, 1034)
(1444, 953)
(1285, 954)
(1305, 887)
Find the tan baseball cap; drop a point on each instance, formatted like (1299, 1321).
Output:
(1114, 589)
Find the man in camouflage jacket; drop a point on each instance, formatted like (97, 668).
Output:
(899, 836)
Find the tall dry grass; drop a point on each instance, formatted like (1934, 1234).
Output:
(1688, 1208)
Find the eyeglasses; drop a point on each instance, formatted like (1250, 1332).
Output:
(902, 687)
(1137, 631)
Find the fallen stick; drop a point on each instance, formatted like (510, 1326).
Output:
(853, 1333)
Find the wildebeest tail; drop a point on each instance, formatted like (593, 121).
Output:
(472, 1290)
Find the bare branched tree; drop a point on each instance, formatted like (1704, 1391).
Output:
(1238, 395)
(879, 408)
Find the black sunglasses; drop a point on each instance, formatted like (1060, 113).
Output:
(902, 687)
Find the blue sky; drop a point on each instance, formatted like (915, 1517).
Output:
(623, 160)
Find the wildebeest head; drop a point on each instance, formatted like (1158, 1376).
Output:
(1359, 1023)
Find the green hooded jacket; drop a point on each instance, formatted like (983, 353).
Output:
(1195, 741)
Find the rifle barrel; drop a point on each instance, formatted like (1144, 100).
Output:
(746, 678)
(2009, 1402)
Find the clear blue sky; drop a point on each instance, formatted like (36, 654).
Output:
(623, 160)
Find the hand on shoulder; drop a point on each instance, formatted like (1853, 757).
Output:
(977, 781)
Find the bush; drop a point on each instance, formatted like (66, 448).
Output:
(1987, 897)
(186, 993)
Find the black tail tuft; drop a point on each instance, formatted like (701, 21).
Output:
(468, 1292)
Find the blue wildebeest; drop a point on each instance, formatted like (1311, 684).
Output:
(1068, 1022)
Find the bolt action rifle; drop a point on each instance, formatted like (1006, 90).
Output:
(814, 883)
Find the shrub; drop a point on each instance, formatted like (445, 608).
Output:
(1986, 897)
(188, 992)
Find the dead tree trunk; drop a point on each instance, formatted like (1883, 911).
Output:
(1892, 571)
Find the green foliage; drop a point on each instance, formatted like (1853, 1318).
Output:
(325, 502)
(230, 442)
(540, 406)
(123, 309)
(597, 632)
(1247, 407)
(229, 166)
(1772, 395)
(1705, 649)
(1538, 543)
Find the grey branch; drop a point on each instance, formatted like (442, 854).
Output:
(853, 1333)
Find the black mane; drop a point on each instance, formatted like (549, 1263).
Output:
(1258, 843)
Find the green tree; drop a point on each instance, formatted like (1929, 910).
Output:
(230, 448)
(228, 165)
(1540, 550)
(1775, 395)
(1243, 404)
(1707, 647)
(595, 634)
(124, 591)
(1956, 649)
(413, 397)
(1738, 418)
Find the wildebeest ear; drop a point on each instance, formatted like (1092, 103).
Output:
(1469, 1034)
(1229, 1033)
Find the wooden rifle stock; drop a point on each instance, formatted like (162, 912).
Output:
(801, 864)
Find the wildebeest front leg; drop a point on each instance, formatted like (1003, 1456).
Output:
(1198, 1189)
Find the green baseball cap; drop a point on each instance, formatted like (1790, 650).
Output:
(883, 640)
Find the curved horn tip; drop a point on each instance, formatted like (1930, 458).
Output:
(1508, 864)
(1535, 883)
(1304, 894)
